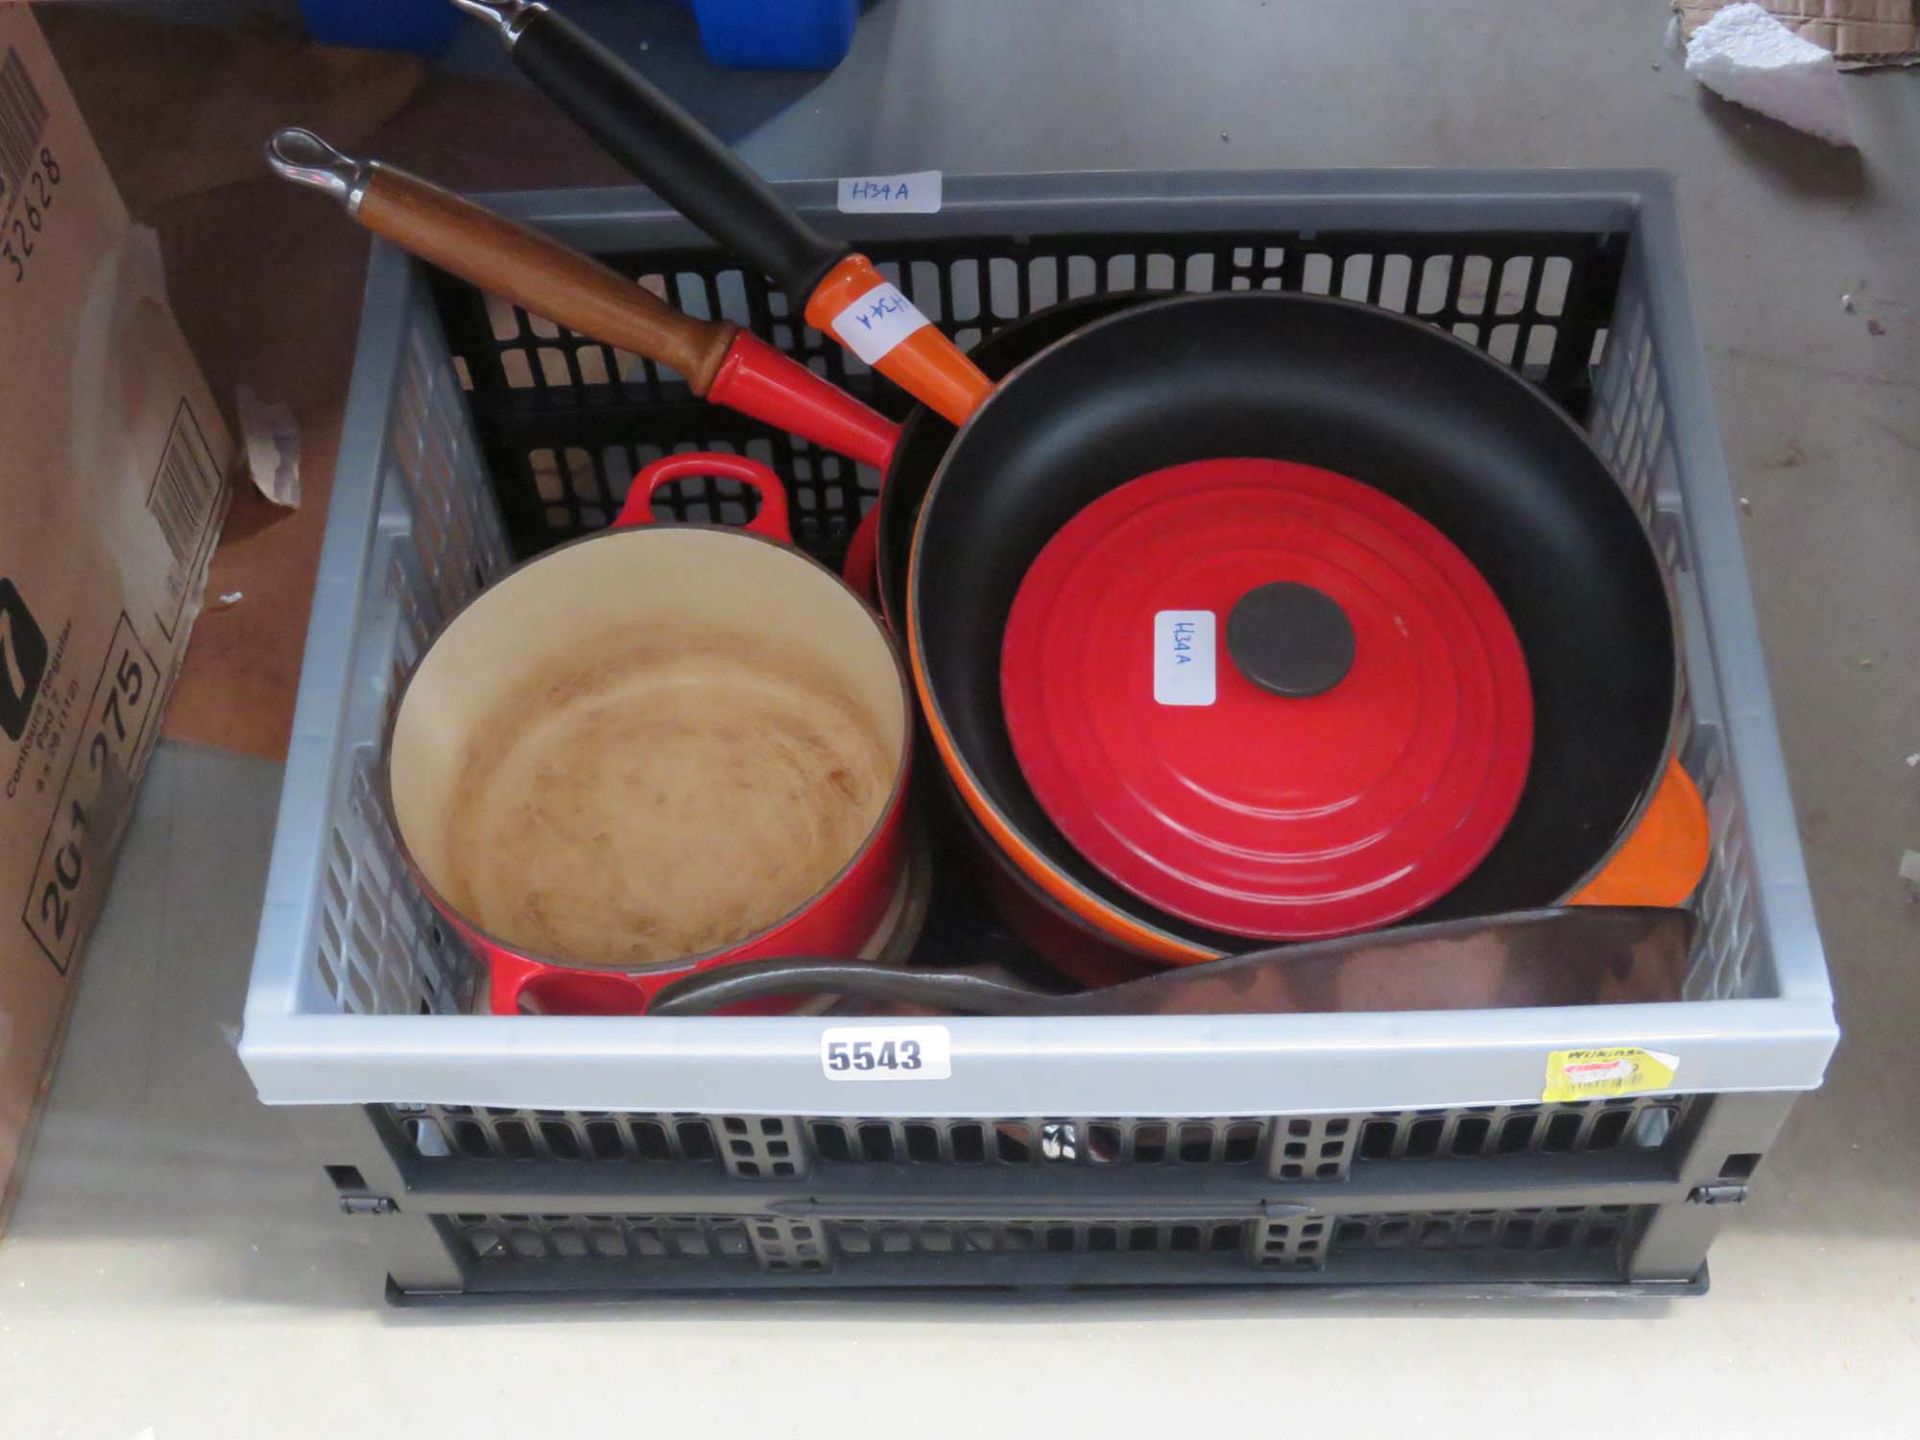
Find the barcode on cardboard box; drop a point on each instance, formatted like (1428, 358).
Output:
(23, 119)
(181, 496)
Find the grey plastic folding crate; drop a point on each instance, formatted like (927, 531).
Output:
(553, 1155)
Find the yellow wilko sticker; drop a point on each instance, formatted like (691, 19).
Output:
(1612, 1070)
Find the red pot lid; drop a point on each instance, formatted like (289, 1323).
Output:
(1267, 699)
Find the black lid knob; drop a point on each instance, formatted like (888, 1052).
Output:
(1291, 639)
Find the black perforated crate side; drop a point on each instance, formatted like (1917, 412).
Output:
(1624, 1197)
(564, 422)
(532, 1252)
(1324, 1148)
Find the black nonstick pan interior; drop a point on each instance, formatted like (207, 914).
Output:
(1389, 401)
(925, 435)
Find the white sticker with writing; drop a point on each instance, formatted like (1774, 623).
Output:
(877, 321)
(886, 1052)
(915, 194)
(1183, 657)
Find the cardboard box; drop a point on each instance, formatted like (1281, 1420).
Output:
(113, 465)
(1860, 33)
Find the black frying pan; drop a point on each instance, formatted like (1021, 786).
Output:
(925, 435)
(1400, 405)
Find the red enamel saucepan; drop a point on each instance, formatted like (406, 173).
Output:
(655, 750)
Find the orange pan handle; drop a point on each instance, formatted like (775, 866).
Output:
(866, 313)
(1663, 860)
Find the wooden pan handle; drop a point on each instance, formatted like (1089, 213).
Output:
(518, 263)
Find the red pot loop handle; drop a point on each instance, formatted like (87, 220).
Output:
(517, 986)
(770, 519)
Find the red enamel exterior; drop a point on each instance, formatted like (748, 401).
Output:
(1272, 816)
(859, 569)
(758, 380)
(839, 921)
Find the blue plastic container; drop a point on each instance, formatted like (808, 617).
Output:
(775, 34)
(419, 27)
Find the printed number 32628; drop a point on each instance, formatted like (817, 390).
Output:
(873, 1055)
(34, 200)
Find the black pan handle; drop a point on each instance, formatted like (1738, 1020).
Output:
(674, 154)
(953, 991)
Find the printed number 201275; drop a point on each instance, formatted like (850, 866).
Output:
(111, 739)
(37, 186)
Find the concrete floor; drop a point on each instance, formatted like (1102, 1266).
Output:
(176, 1265)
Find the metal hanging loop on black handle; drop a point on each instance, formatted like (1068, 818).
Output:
(674, 154)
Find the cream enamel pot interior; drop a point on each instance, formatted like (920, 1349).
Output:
(658, 749)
